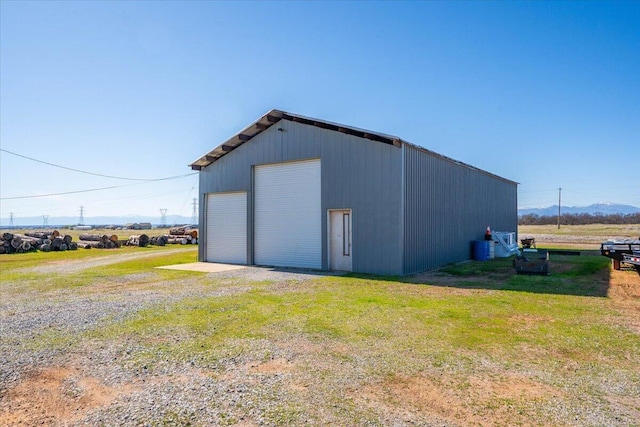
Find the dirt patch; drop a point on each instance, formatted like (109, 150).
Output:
(275, 366)
(54, 395)
(624, 292)
(475, 400)
(512, 387)
(531, 321)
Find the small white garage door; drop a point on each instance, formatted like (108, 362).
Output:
(227, 227)
(287, 227)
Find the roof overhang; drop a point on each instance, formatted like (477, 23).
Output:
(273, 117)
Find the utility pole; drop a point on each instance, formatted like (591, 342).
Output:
(45, 221)
(194, 212)
(163, 218)
(559, 201)
(81, 220)
(11, 225)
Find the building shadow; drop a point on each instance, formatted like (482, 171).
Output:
(586, 275)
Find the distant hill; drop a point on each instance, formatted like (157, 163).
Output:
(596, 208)
(96, 220)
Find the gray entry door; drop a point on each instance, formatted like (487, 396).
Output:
(340, 240)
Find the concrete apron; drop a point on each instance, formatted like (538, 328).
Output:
(204, 267)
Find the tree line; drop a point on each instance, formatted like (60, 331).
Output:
(579, 219)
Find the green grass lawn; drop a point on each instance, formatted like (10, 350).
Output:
(466, 333)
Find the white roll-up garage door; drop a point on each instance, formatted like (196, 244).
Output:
(287, 227)
(227, 227)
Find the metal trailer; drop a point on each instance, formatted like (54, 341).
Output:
(617, 249)
(633, 259)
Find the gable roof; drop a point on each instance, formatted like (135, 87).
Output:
(274, 116)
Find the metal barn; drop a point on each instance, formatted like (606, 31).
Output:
(294, 191)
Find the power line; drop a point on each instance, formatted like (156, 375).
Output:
(64, 193)
(110, 200)
(185, 203)
(90, 189)
(98, 174)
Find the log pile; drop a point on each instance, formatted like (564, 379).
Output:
(163, 240)
(142, 240)
(183, 231)
(30, 242)
(53, 241)
(88, 241)
(185, 239)
(184, 235)
(158, 240)
(177, 239)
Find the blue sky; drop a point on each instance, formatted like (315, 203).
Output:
(543, 93)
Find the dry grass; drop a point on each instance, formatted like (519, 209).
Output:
(600, 231)
(585, 237)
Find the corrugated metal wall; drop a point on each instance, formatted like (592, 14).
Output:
(365, 176)
(447, 205)
(358, 174)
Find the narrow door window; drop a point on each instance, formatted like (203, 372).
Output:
(346, 234)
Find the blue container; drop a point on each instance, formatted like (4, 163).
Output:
(481, 250)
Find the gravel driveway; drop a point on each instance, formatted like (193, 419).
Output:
(47, 377)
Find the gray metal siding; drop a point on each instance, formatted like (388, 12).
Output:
(234, 172)
(359, 174)
(448, 205)
(412, 210)
(365, 176)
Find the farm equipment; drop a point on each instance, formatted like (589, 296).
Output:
(528, 243)
(532, 261)
(621, 251)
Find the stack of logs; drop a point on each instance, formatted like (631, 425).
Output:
(159, 240)
(30, 242)
(88, 241)
(142, 241)
(183, 235)
(54, 241)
